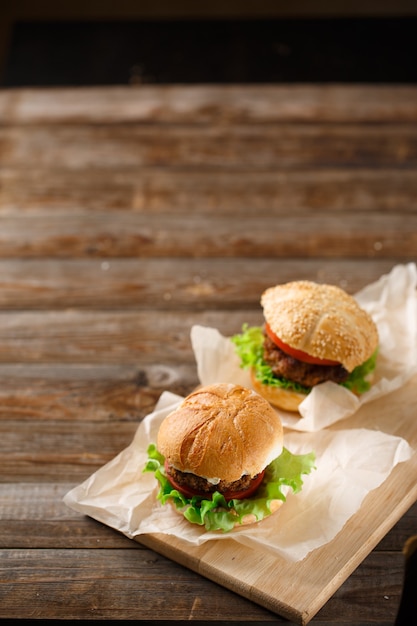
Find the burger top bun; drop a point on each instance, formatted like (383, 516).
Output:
(322, 320)
(221, 431)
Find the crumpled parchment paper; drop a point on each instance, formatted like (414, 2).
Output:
(350, 462)
(357, 461)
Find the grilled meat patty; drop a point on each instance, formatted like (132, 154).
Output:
(201, 485)
(307, 374)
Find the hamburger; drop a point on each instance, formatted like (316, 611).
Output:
(220, 461)
(312, 333)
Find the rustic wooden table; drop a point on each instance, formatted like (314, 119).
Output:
(126, 216)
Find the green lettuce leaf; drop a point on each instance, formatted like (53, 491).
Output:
(358, 381)
(218, 514)
(249, 347)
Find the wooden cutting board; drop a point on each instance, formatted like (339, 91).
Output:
(298, 590)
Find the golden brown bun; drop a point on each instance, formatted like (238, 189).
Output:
(250, 518)
(279, 397)
(221, 431)
(322, 320)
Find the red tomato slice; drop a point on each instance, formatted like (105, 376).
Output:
(188, 492)
(297, 354)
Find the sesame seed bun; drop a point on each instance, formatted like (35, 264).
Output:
(221, 432)
(322, 320)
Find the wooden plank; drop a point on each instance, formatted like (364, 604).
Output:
(139, 284)
(153, 375)
(208, 104)
(221, 147)
(376, 578)
(111, 584)
(58, 393)
(83, 533)
(129, 584)
(117, 234)
(169, 191)
(33, 515)
(118, 337)
(36, 501)
(36, 449)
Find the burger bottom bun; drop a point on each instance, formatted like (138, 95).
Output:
(278, 396)
(250, 518)
(286, 399)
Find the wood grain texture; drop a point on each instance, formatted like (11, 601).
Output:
(189, 283)
(128, 235)
(125, 575)
(119, 337)
(88, 392)
(42, 448)
(169, 191)
(285, 146)
(249, 104)
(127, 590)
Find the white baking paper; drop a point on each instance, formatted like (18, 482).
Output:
(392, 303)
(349, 464)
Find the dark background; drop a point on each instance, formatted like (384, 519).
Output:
(213, 51)
(119, 42)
